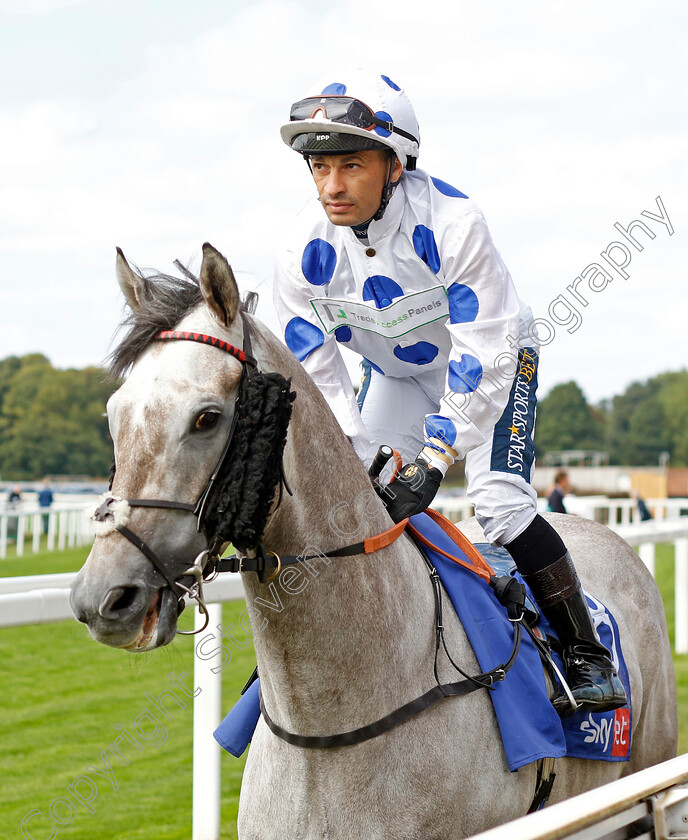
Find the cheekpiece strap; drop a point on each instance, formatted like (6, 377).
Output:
(145, 549)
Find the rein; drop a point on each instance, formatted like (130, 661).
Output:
(511, 593)
(261, 561)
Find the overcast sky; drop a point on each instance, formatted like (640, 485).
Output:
(154, 125)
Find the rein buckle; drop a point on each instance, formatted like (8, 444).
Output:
(256, 560)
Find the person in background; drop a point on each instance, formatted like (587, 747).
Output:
(561, 488)
(13, 501)
(643, 509)
(45, 500)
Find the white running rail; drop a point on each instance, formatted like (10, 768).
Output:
(651, 804)
(66, 524)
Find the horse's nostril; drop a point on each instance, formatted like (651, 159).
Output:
(119, 599)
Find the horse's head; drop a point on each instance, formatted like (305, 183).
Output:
(170, 422)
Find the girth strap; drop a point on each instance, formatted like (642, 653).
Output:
(543, 784)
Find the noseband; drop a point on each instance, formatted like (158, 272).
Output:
(258, 394)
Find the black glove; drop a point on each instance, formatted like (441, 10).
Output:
(413, 491)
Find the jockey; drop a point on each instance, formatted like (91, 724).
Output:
(400, 267)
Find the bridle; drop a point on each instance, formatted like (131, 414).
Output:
(205, 563)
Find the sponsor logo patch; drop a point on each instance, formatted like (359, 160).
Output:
(403, 316)
(622, 732)
(606, 731)
(512, 445)
(597, 732)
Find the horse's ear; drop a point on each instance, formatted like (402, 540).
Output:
(130, 283)
(218, 286)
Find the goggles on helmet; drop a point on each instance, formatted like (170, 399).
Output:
(346, 110)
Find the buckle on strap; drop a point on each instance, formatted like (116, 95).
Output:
(259, 561)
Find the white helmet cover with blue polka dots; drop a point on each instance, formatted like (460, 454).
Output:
(382, 95)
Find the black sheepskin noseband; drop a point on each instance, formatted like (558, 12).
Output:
(240, 503)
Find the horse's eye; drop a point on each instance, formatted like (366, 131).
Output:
(207, 420)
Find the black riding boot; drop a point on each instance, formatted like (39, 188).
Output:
(591, 675)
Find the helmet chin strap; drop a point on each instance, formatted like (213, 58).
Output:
(386, 192)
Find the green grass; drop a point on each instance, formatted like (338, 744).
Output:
(63, 695)
(45, 563)
(664, 575)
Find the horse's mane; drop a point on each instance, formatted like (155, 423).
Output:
(166, 300)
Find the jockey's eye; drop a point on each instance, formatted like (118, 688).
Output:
(207, 420)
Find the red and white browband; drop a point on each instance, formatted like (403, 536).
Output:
(211, 340)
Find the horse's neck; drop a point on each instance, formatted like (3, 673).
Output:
(333, 497)
(350, 631)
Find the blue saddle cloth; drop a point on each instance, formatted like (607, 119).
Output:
(529, 726)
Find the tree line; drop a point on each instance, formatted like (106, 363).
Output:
(636, 428)
(52, 421)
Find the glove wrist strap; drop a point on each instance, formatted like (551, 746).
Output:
(435, 459)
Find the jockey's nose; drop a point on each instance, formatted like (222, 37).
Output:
(334, 185)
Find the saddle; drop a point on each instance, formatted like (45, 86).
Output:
(529, 725)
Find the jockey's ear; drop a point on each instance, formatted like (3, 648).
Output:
(218, 286)
(130, 283)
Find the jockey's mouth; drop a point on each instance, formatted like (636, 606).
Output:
(339, 205)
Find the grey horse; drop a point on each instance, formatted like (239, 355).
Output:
(351, 638)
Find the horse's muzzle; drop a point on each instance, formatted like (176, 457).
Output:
(134, 616)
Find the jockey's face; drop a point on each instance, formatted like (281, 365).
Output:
(350, 185)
